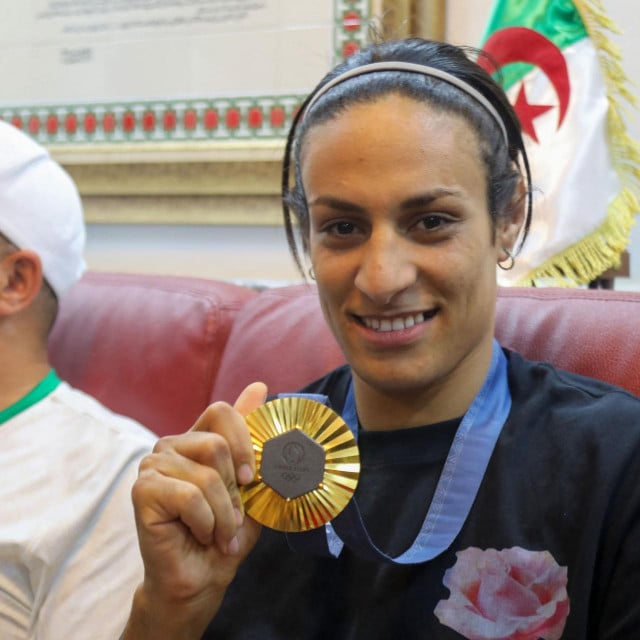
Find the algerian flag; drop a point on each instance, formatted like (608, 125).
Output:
(565, 80)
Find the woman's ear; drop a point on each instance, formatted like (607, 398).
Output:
(510, 224)
(20, 280)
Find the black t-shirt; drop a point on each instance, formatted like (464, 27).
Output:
(551, 545)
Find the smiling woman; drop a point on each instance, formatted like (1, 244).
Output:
(489, 484)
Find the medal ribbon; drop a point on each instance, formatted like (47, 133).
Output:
(455, 492)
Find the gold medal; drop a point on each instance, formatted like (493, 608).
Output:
(307, 464)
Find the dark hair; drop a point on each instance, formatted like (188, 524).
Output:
(504, 162)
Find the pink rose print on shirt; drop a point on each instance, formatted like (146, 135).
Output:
(512, 594)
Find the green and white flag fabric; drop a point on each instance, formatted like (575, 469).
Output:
(564, 77)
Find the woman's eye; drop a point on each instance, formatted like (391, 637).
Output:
(432, 222)
(342, 228)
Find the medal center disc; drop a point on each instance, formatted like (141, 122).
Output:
(292, 464)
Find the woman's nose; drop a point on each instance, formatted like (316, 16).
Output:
(386, 267)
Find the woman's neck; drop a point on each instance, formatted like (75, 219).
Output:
(388, 408)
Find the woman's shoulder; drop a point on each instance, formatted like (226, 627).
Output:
(524, 371)
(555, 398)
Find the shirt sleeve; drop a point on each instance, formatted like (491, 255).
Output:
(91, 596)
(617, 612)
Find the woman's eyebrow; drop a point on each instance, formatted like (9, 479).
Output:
(425, 199)
(413, 202)
(336, 203)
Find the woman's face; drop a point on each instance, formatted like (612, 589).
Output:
(402, 246)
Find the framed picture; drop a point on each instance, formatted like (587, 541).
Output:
(175, 111)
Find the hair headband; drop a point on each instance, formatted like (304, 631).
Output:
(413, 68)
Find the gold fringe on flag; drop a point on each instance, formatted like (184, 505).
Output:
(601, 250)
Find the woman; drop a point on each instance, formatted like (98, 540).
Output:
(498, 497)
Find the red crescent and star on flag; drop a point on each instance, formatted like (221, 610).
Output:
(520, 44)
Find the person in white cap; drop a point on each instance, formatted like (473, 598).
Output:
(68, 552)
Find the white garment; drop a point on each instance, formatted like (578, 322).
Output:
(69, 558)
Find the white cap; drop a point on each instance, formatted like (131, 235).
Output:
(40, 208)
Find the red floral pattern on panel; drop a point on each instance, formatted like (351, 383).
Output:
(52, 124)
(71, 123)
(233, 118)
(169, 121)
(277, 117)
(148, 121)
(129, 122)
(90, 123)
(34, 125)
(211, 119)
(352, 21)
(254, 117)
(511, 594)
(349, 48)
(109, 122)
(190, 119)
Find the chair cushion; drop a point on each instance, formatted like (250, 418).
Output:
(146, 346)
(279, 337)
(594, 332)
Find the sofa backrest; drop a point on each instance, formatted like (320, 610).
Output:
(280, 337)
(161, 348)
(146, 346)
(594, 332)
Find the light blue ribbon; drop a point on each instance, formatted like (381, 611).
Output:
(459, 482)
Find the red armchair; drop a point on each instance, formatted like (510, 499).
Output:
(146, 346)
(160, 348)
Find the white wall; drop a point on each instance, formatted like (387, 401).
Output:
(243, 254)
(260, 253)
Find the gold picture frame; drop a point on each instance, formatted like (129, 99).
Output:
(209, 183)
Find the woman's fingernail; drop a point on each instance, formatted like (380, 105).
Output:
(233, 547)
(239, 517)
(245, 475)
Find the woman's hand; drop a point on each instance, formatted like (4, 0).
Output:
(191, 526)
